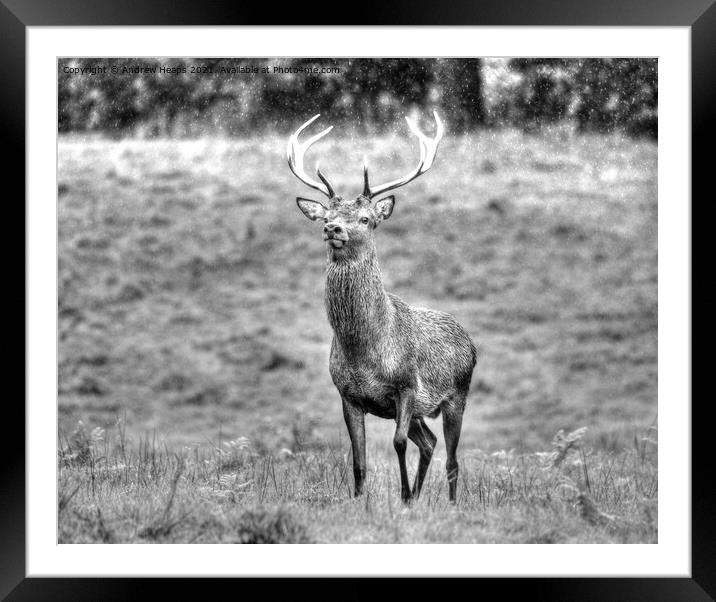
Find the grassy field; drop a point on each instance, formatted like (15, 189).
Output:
(193, 343)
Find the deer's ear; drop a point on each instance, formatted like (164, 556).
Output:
(384, 208)
(311, 209)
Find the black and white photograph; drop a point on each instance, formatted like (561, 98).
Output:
(360, 300)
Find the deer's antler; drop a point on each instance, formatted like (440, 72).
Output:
(428, 149)
(296, 152)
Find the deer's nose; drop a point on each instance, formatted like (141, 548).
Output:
(332, 227)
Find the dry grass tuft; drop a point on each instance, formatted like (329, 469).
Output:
(271, 526)
(564, 443)
(590, 512)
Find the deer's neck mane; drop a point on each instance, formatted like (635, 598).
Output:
(358, 307)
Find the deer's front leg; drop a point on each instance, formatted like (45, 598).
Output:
(355, 421)
(403, 414)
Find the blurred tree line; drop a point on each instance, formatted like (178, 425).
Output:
(189, 97)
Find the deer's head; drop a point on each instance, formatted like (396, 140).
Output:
(348, 225)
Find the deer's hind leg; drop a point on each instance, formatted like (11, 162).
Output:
(452, 425)
(423, 437)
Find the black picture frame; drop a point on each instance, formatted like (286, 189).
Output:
(17, 15)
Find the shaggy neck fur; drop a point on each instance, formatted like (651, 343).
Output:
(358, 307)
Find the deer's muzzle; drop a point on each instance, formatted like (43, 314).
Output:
(335, 235)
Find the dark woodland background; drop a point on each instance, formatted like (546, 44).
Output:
(598, 95)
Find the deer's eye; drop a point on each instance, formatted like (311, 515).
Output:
(364, 220)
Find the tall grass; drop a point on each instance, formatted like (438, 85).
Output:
(111, 490)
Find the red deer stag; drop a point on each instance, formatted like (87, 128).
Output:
(387, 358)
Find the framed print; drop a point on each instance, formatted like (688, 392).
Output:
(370, 290)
